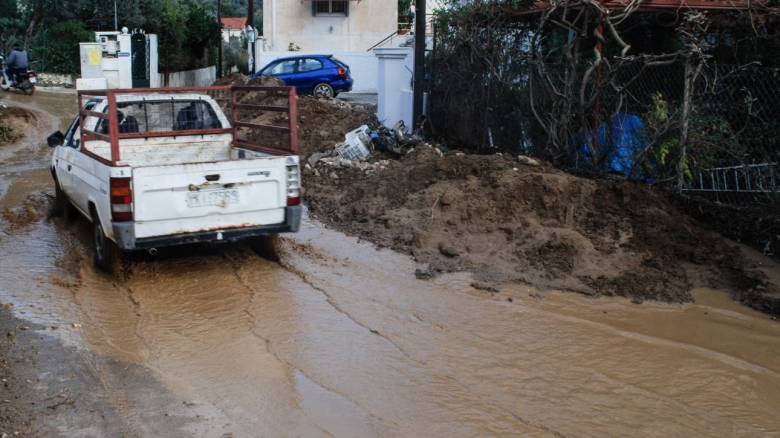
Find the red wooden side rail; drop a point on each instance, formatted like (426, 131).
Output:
(114, 135)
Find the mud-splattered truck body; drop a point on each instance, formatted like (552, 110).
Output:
(163, 167)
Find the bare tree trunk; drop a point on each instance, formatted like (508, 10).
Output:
(693, 66)
(685, 122)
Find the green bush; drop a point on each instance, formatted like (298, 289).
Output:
(57, 47)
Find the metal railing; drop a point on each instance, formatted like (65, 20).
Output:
(749, 178)
(406, 30)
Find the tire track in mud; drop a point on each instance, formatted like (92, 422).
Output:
(235, 265)
(447, 377)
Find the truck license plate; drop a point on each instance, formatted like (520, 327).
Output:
(221, 198)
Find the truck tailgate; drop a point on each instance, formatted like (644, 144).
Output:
(188, 198)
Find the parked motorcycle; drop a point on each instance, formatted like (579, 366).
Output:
(24, 82)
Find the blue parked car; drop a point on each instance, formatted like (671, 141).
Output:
(320, 75)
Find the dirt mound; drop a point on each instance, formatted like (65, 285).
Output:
(322, 123)
(232, 79)
(506, 221)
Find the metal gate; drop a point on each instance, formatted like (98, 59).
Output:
(140, 60)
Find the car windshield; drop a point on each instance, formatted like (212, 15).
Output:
(164, 116)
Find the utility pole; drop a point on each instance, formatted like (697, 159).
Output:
(419, 62)
(250, 21)
(116, 18)
(219, 47)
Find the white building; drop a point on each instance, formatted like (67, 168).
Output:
(327, 25)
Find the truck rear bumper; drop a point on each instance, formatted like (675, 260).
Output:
(124, 233)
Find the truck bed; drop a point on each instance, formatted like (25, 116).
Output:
(181, 150)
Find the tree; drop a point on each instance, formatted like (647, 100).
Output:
(57, 46)
(203, 33)
(171, 38)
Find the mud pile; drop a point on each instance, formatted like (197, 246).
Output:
(505, 220)
(322, 123)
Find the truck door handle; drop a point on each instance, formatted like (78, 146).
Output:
(69, 166)
(212, 178)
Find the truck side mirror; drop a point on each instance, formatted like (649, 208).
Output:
(56, 139)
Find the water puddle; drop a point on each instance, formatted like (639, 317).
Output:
(340, 339)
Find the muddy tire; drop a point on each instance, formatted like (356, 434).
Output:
(108, 257)
(29, 91)
(62, 205)
(324, 90)
(265, 247)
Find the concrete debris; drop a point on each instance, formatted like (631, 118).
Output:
(528, 161)
(448, 251)
(423, 274)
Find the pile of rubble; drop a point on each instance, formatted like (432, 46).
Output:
(366, 150)
(506, 218)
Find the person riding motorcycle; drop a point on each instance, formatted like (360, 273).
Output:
(17, 64)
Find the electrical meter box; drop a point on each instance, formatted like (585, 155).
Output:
(122, 59)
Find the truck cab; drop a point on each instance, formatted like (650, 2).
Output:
(163, 167)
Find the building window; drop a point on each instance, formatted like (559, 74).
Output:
(330, 7)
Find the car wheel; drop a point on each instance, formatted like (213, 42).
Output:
(324, 90)
(108, 258)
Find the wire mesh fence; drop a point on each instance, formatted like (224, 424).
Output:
(628, 122)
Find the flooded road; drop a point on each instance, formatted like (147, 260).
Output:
(337, 338)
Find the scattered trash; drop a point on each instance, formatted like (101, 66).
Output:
(399, 129)
(356, 145)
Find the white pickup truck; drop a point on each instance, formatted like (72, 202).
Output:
(162, 167)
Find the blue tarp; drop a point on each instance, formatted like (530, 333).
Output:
(628, 139)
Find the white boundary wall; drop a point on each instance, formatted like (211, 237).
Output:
(362, 65)
(201, 77)
(394, 100)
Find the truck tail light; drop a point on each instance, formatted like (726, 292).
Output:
(342, 72)
(293, 185)
(121, 199)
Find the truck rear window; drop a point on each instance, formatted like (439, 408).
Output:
(164, 116)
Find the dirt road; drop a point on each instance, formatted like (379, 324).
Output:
(338, 338)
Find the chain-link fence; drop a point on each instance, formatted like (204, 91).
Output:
(626, 118)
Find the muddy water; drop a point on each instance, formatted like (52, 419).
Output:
(340, 339)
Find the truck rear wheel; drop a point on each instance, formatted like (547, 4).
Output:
(265, 247)
(62, 205)
(108, 257)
